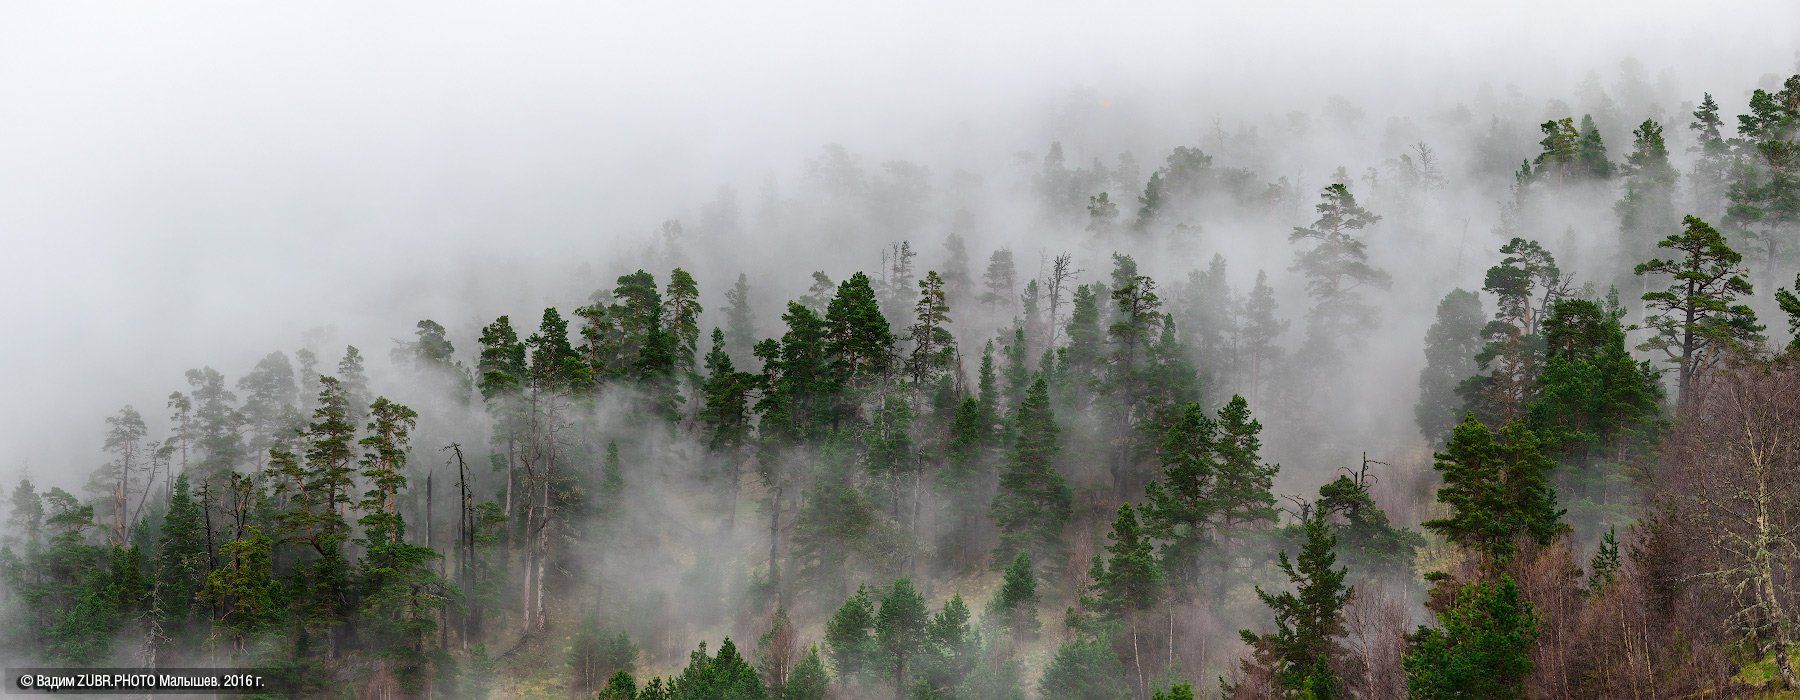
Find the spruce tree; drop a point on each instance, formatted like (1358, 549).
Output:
(740, 320)
(1310, 619)
(1648, 207)
(1594, 398)
(1259, 330)
(1034, 499)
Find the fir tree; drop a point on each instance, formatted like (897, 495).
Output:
(740, 320)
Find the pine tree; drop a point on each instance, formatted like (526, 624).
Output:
(1127, 582)
(740, 320)
(1001, 280)
(1243, 495)
(900, 627)
(500, 372)
(1259, 331)
(1789, 301)
(1309, 619)
(859, 340)
(1084, 668)
(1497, 489)
(1014, 607)
(1591, 152)
(1181, 507)
(722, 676)
(1450, 348)
(1337, 266)
(681, 316)
(1103, 215)
(1526, 282)
(1648, 207)
(1695, 322)
(1481, 648)
(1712, 159)
(1594, 398)
(809, 680)
(934, 348)
(850, 637)
(1034, 499)
(1373, 547)
(1561, 155)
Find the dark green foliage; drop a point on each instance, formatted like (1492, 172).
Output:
(1593, 398)
(1014, 607)
(1084, 668)
(1034, 499)
(1372, 547)
(1606, 563)
(900, 630)
(501, 370)
(1497, 489)
(1128, 579)
(1450, 348)
(1182, 505)
(722, 676)
(1309, 619)
(1789, 301)
(1696, 321)
(808, 680)
(799, 388)
(858, 339)
(1480, 648)
(850, 637)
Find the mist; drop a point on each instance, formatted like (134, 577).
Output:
(199, 185)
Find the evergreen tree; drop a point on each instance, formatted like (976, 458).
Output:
(934, 348)
(1648, 207)
(809, 680)
(681, 316)
(1259, 331)
(1591, 152)
(1127, 582)
(740, 321)
(1789, 301)
(1034, 499)
(1001, 280)
(1712, 159)
(1373, 547)
(501, 371)
(722, 676)
(1243, 493)
(1481, 648)
(1593, 397)
(1497, 489)
(1014, 607)
(1309, 619)
(1336, 266)
(1450, 348)
(859, 341)
(1696, 321)
(1181, 507)
(850, 637)
(900, 628)
(1084, 668)
(1525, 283)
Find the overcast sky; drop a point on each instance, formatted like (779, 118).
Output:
(197, 183)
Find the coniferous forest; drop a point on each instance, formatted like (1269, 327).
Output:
(1498, 397)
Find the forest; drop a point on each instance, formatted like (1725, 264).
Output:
(1511, 410)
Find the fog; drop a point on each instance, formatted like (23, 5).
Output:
(202, 184)
(198, 184)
